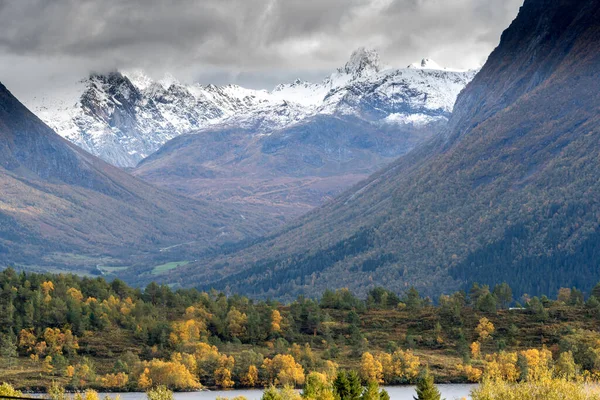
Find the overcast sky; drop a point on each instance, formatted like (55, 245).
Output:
(45, 44)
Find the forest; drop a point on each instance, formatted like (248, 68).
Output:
(88, 333)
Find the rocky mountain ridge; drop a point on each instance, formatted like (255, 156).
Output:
(123, 117)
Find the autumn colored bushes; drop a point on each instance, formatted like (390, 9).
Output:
(89, 333)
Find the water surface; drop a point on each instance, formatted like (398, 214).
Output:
(449, 392)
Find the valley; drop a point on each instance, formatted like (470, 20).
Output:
(365, 237)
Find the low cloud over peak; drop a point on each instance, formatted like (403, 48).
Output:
(255, 43)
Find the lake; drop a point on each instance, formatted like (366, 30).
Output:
(449, 392)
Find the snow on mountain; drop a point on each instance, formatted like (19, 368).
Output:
(124, 117)
(426, 63)
(363, 62)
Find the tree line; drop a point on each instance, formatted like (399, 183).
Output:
(91, 333)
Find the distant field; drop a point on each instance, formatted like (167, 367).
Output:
(159, 269)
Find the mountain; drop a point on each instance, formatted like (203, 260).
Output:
(286, 173)
(309, 142)
(508, 192)
(123, 117)
(62, 208)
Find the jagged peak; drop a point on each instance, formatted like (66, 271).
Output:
(139, 79)
(426, 63)
(363, 61)
(169, 80)
(105, 77)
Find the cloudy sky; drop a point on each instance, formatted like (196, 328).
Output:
(45, 44)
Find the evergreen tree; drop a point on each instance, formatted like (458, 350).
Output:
(384, 395)
(271, 393)
(596, 291)
(576, 298)
(504, 294)
(341, 385)
(8, 349)
(355, 386)
(426, 389)
(537, 308)
(412, 299)
(593, 305)
(371, 392)
(487, 303)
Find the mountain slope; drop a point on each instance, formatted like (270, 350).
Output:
(286, 173)
(124, 117)
(509, 192)
(57, 200)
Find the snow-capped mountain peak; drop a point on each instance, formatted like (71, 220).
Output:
(139, 78)
(169, 80)
(363, 62)
(426, 63)
(124, 117)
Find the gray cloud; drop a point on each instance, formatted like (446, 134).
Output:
(255, 42)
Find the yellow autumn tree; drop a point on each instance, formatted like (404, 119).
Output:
(330, 370)
(387, 366)
(535, 364)
(69, 371)
(54, 340)
(208, 359)
(223, 372)
(27, 340)
(47, 288)
(75, 294)
(485, 329)
(70, 343)
(276, 321)
(171, 374)
(185, 332)
(223, 377)
(473, 374)
(236, 323)
(406, 366)
(186, 359)
(250, 378)
(144, 381)
(283, 370)
(126, 306)
(564, 295)
(82, 373)
(114, 381)
(502, 367)
(476, 350)
(371, 370)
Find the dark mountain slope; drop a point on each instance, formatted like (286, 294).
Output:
(57, 201)
(514, 183)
